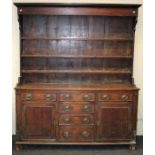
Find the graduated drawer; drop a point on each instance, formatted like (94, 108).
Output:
(115, 96)
(76, 133)
(77, 96)
(76, 107)
(38, 96)
(66, 119)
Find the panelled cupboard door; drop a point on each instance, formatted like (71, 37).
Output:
(114, 121)
(38, 121)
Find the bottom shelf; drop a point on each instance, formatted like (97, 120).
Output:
(80, 71)
(58, 86)
(78, 79)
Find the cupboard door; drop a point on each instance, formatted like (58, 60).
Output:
(38, 121)
(114, 121)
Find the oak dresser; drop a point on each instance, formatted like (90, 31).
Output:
(76, 83)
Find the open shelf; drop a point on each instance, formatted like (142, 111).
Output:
(83, 49)
(73, 56)
(79, 71)
(106, 38)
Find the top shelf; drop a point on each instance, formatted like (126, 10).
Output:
(106, 38)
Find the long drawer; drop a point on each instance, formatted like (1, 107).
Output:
(77, 107)
(77, 96)
(38, 96)
(67, 119)
(76, 133)
(114, 96)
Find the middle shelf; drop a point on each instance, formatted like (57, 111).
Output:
(55, 55)
(85, 38)
(80, 71)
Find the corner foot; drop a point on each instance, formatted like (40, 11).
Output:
(18, 147)
(132, 147)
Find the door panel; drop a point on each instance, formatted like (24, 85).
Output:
(38, 121)
(114, 121)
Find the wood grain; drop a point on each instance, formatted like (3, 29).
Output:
(76, 75)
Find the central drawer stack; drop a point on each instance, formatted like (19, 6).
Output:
(76, 116)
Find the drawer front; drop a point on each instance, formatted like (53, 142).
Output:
(114, 96)
(73, 120)
(77, 96)
(77, 107)
(76, 133)
(38, 96)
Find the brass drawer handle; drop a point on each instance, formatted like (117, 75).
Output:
(86, 108)
(105, 97)
(48, 97)
(28, 96)
(86, 120)
(67, 96)
(67, 120)
(66, 134)
(67, 107)
(87, 97)
(124, 97)
(85, 134)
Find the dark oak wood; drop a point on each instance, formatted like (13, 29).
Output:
(76, 75)
(72, 119)
(86, 71)
(38, 121)
(58, 86)
(123, 38)
(117, 128)
(78, 11)
(76, 133)
(107, 5)
(74, 56)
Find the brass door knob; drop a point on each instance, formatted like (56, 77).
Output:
(66, 134)
(105, 97)
(67, 120)
(67, 96)
(124, 97)
(28, 96)
(86, 120)
(48, 97)
(86, 108)
(85, 134)
(87, 97)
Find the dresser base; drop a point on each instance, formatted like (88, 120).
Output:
(131, 144)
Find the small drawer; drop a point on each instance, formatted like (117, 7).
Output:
(115, 96)
(77, 96)
(38, 96)
(76, 133)
(70, 107)
(73, 120)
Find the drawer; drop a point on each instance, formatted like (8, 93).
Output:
(77, 96)
(76, 133)
(114, 96)
(77, 107)
(73, 120)
(38, 96)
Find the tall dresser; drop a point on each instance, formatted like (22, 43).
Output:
(76, 83)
